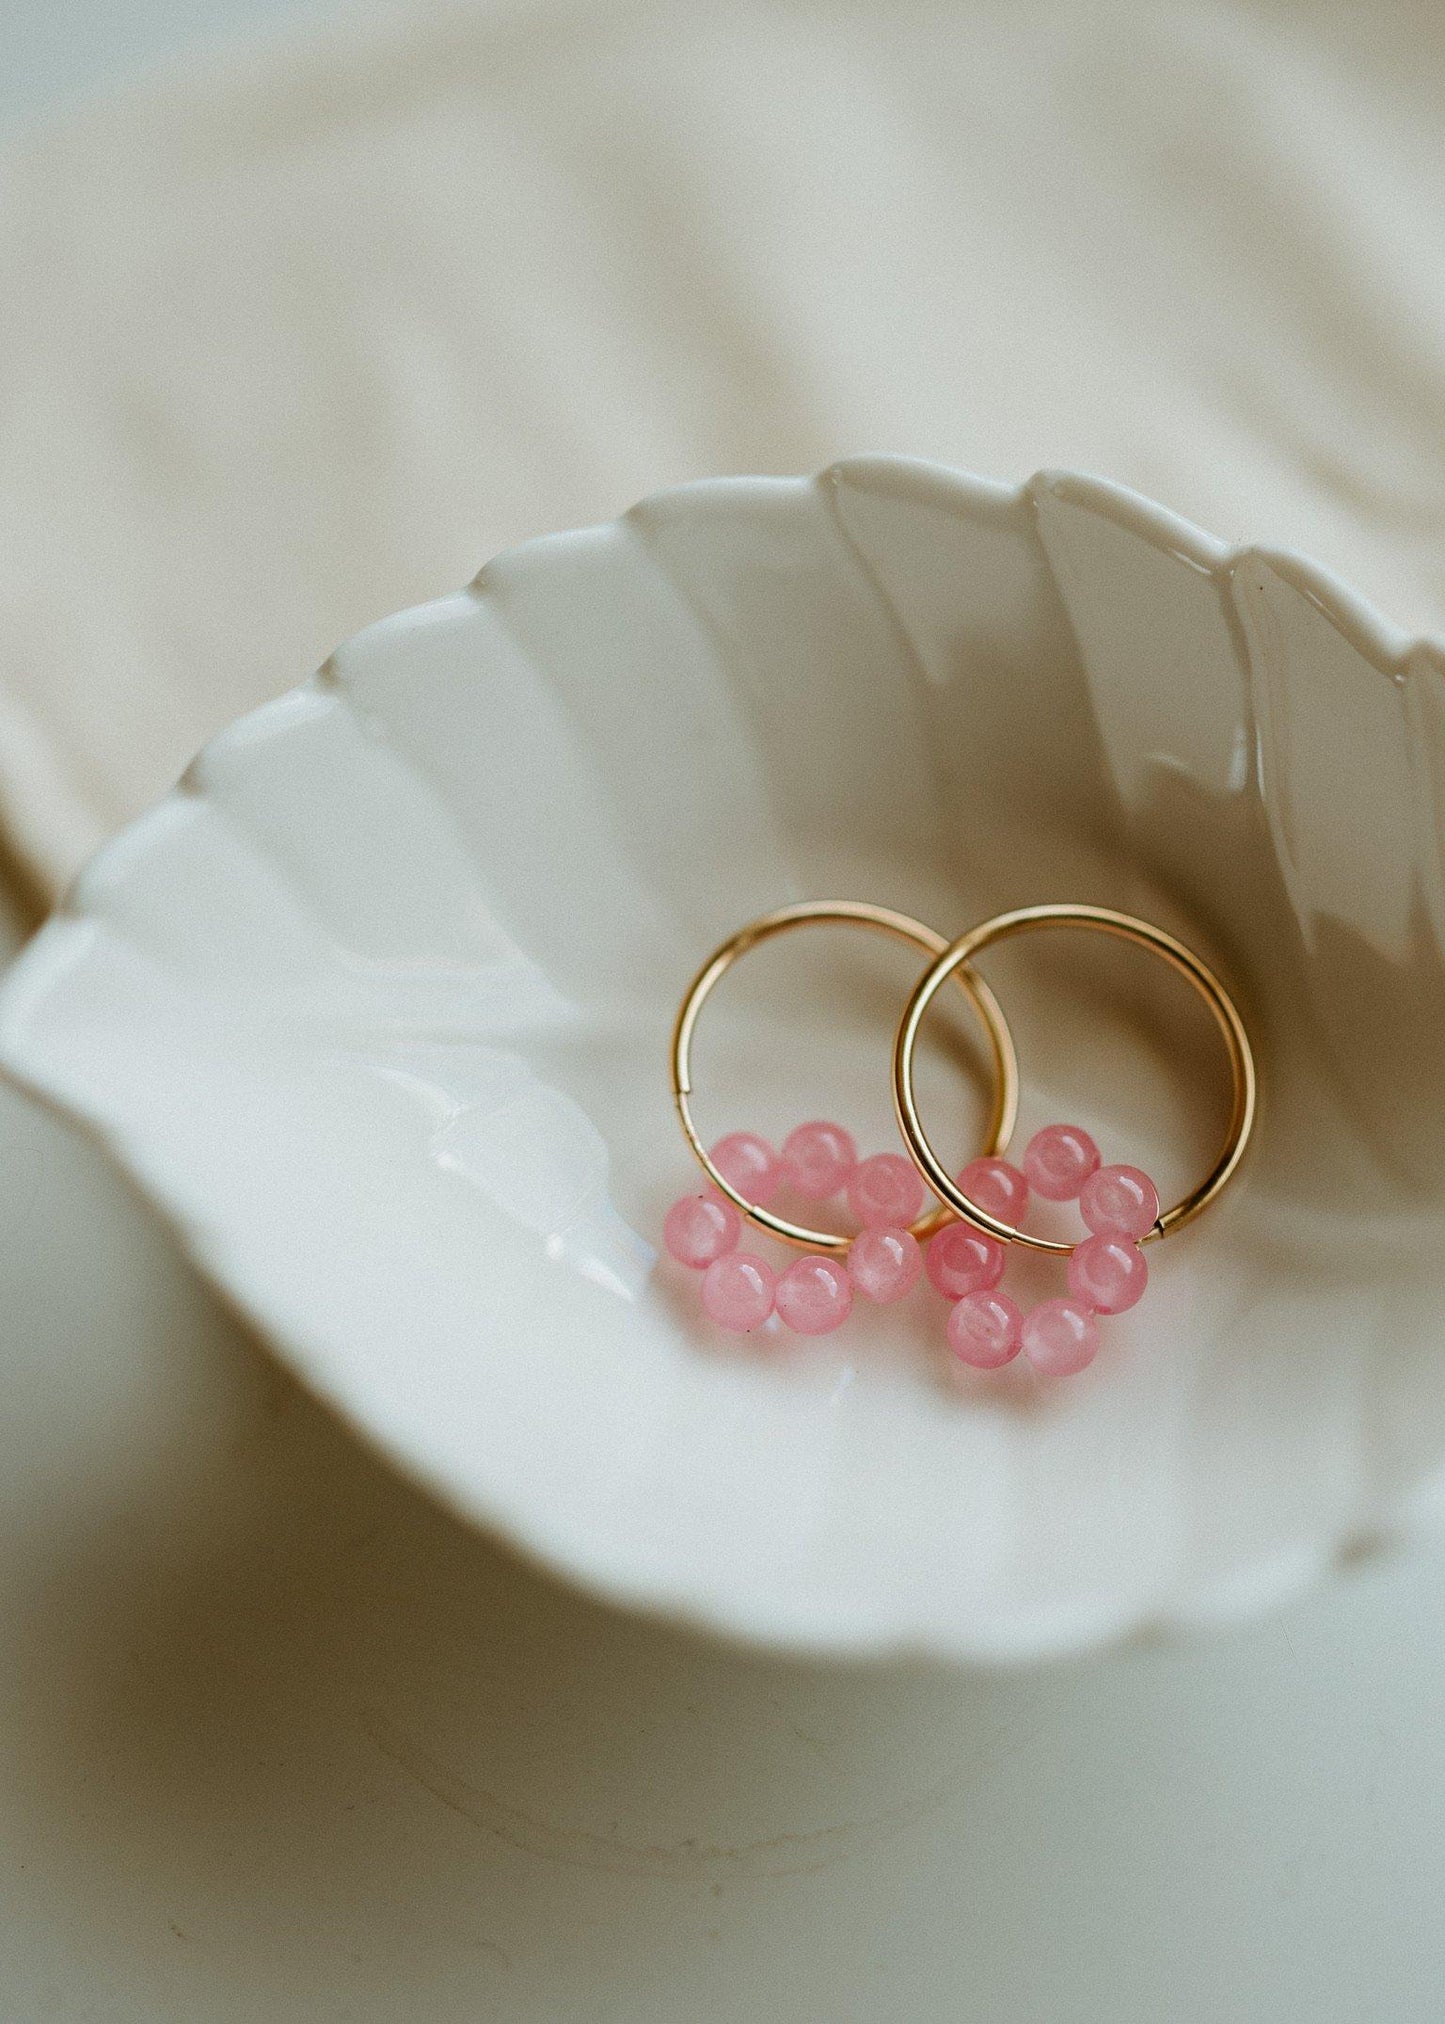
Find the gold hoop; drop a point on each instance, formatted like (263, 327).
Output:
(953, 961)
(849, 913)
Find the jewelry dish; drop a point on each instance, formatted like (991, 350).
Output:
(376, 1009)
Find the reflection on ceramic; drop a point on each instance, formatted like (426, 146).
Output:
(375, 1007)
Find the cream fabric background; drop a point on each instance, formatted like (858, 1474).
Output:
(288, 341)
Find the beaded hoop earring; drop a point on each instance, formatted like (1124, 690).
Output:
(1107, 1270)
(883, 1258)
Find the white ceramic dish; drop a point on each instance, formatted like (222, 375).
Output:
(375, 1007)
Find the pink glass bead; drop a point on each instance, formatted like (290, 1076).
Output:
(885, 1264)
(1060, 1337)
(1119, 1202)
(1108, 1273)
(985, 1330)
(737, 1291)
(818, 1158)
(998, 1188)
(700, 1229)
(885, 1192)
(962, 1260)
(814, 1295)
(749, 1164)
(1058, 1160)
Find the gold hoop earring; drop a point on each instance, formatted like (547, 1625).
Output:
(955, 961)
(854, 913)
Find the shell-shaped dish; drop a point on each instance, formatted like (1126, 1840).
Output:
(375, 1007)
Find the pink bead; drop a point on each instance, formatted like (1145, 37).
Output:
(1060, 1337)
(818, 1158)
(814, 1295)
(885, 1264)
(962, 1260)
(1108, 1273)
(998, 1188)
(885, 1192)
(700, 1229)
(985, 1330)
(1119, 1202)
(1058, 1160)
(749, 1164)
(737, 1291)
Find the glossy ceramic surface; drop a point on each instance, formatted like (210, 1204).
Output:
(376, 1008)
